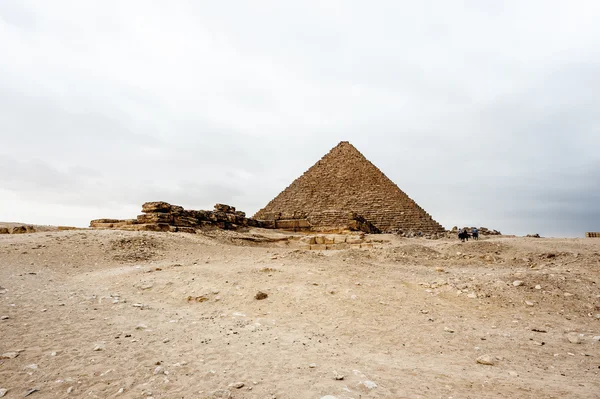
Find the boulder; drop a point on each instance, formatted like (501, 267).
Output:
(156, 206)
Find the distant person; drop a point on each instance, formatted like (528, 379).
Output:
(475, 233)
(463, 235)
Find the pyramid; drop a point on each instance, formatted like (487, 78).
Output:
(345, 183)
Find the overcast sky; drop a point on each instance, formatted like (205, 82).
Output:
(484, 112)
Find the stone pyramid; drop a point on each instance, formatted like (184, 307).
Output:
(344, 182)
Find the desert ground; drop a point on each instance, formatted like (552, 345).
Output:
(129, 314)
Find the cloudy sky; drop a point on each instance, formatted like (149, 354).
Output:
(484, 112)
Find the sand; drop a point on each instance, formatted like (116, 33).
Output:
(114, 314)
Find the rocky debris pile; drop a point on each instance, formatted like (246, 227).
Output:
(20, 229)
(483, 231)
(419, 234)
(162, 216)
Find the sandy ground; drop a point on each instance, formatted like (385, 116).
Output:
(103, 314)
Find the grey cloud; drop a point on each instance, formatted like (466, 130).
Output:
(479, 118)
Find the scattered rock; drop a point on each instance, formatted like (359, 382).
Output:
(4, 318)
(517, 283)
(260, 295)
(337, 376)
(237, 385)
(538, 287)
(141, 327)
(32, 366)
(448, 329)
(368, 384)
(3, 392)
(312, 365)
(220, 394)
(99, 347)
(69, 390)
(159, 370)
(9, 355)
(574, 338)
(529, 303)
(567, 294)
(486, 360)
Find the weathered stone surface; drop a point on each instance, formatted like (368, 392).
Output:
(344, 183)
(18, 230)
(162, 216)
(155, 218)
(156, 206)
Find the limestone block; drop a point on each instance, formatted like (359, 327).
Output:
(151, 218)
(340, 239)
(319, 240)
(329, 239)
(318, 247)
(156, 206)
(354, 240)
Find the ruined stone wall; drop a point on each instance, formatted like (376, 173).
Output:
(162, 216)
(345, 181)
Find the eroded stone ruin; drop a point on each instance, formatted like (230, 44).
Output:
(592, 234)
(345, 191)
(162, 216)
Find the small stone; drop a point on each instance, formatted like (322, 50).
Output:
(141, 327)
(448, 329)
(517, 283)
(513, 373)
(220, 394)
(538, 287)
(9, 355)
(472, 295)
(159, 370)
(260, 295)
(121, 390)
(567, 294)
(596, 338)
(337, 376)
(98, 348)
(574, 338)
(4, 318)
(32, 366)
(166, 340)
(237, 385)
(528, 303)
(368, 384)
(486, 360)
(312, 365)
(70, 389)
(3, 392)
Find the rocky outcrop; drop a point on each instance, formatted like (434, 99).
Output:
(19, 229)
(162, 216)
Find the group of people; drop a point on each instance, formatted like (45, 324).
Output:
(464, 235)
